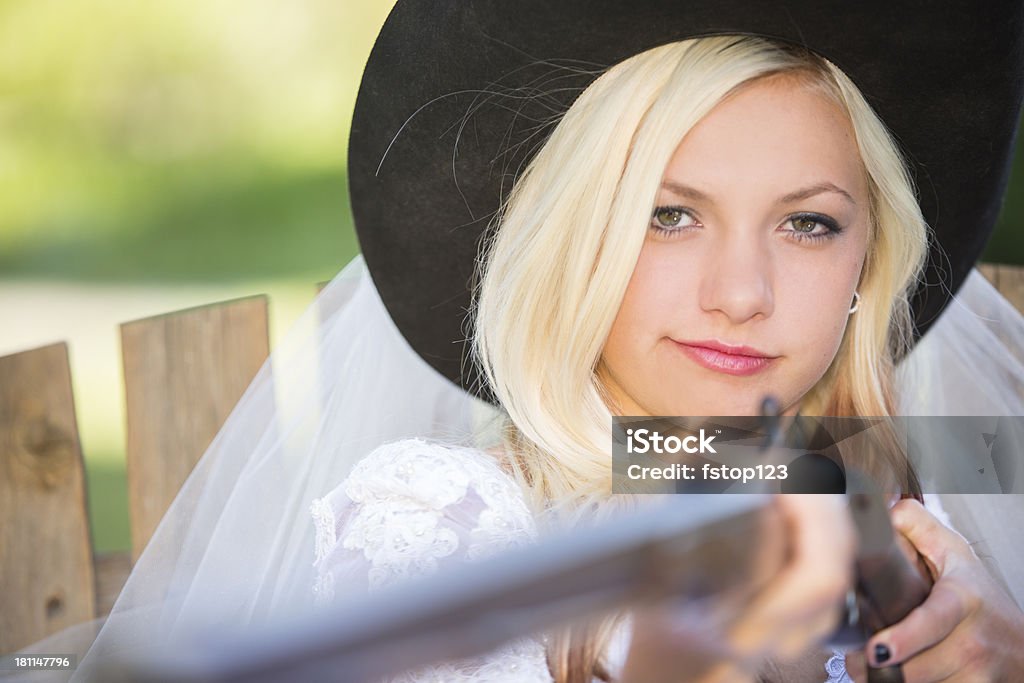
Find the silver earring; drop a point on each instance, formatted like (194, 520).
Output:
(856, 302)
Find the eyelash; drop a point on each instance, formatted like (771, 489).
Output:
(831, 226)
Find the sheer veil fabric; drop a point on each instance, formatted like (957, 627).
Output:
(972, 363)
(236, 547)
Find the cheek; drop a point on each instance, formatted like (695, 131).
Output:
(816, 310)
(655, 296)
(824, 336)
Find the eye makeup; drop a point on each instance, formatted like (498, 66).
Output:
(807, 226)
(815, 220)
(668, 221)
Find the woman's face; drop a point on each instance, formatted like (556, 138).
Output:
(750, 262)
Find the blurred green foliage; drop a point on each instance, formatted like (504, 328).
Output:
(1007, 243)
(195, 139)
(186, 140)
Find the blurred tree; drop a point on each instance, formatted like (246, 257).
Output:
(1007, 244)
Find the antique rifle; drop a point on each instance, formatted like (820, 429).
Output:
(710, 553)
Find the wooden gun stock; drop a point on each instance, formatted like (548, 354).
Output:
(889, 584)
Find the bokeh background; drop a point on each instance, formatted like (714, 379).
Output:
(160, 155)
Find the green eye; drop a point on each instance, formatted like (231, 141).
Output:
(804, 224)
(811, 227)
(668, 217)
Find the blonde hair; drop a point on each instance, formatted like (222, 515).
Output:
(555, 271)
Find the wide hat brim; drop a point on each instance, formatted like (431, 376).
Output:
(457, 97)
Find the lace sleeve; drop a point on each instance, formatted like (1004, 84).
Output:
(410, 508)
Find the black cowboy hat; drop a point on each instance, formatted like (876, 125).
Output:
(457, 96)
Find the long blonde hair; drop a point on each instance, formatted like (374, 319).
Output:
(555, 270)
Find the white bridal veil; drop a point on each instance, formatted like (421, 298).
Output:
(236, 547)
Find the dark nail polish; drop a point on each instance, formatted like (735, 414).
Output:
(882, 653)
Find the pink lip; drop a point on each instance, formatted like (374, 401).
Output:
(732, 360)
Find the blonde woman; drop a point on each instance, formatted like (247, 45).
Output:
(711, 221)
(578, 210)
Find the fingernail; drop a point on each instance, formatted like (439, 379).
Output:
(882, 653)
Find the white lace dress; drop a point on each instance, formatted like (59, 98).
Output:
(411, 507)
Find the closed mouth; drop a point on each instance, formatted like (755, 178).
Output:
(729, 349)
(726, 358)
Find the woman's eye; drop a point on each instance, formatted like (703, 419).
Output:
(671, 219)
(812, 227)
(804, 224)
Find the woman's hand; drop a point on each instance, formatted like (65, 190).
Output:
(967, 629)
(797, 609)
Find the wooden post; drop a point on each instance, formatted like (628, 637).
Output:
(1009, 280)
(46, 560)
(184, 372)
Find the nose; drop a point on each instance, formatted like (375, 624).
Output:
(737, 281)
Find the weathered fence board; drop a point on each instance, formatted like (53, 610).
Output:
(1009, 280)
(183, 373)
(112, 570)
(46, 561)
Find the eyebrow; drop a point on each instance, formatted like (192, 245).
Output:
(694, 194)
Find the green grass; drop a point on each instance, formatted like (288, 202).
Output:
(205, 225)
(107, 493)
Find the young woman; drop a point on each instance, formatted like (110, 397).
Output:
(712, 221)
(680, 225)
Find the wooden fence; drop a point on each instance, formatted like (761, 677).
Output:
(184, 372)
